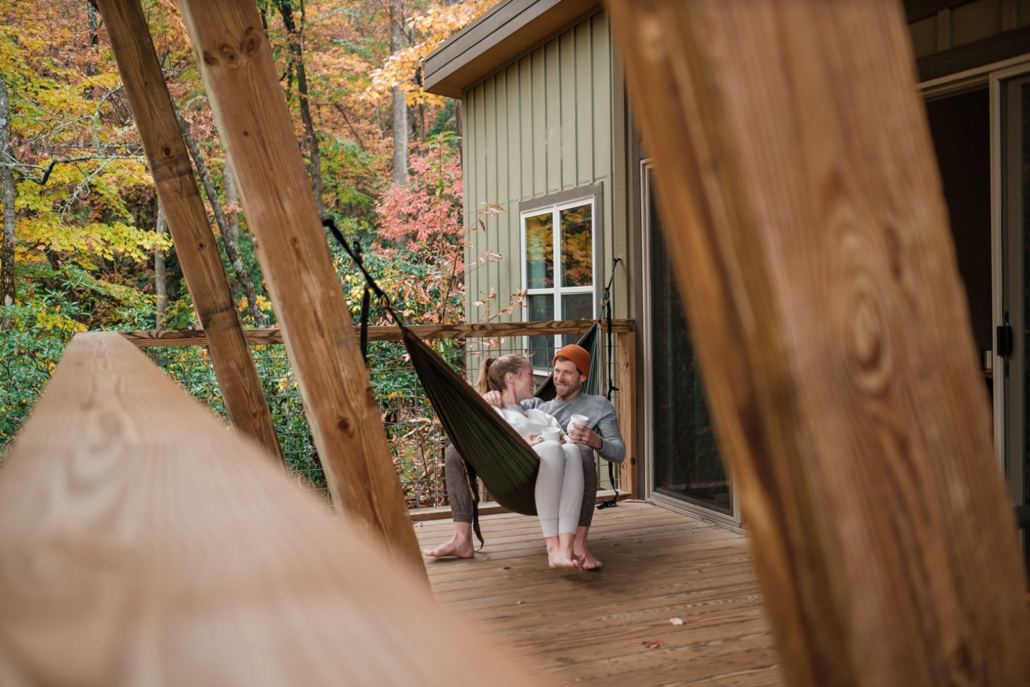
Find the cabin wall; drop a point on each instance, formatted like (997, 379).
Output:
(963, 24)
(541, 125)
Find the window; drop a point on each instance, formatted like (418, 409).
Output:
(558, 270)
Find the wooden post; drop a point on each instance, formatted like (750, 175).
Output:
(143, 544)
(255, 125)
(626, 376)
(810, 243)
(187, 220)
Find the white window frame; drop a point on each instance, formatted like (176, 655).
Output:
(557, 291)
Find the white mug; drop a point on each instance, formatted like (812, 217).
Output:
(578, 420)
(551, 434)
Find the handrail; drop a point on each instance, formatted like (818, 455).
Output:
(273, 335)
(140, 538)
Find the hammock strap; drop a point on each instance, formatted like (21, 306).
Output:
(606, 313)
(330, 223)
(473, 483)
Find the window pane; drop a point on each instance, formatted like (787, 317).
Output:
(576, 306)
(541, 348)
(577, 247)
(540, 251)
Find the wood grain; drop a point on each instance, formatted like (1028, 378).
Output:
(810, 243)
(243, 87)
(144, 544)
(430, 332)
(195, 245)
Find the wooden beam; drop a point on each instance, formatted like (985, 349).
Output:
(144, 544)
(250, 110)
(195, 245)
(265, 337)
(626, 378)
(810, 243)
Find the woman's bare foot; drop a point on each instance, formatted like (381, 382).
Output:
(460, 545)
(560, 560)
(559, 552)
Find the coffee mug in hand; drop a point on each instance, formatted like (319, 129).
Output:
(551, 434)
(578, 420)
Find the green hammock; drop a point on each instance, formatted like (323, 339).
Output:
(490, 446)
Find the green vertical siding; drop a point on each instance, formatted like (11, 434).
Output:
(541, 125)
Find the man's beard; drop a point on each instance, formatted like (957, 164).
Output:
(565, 389)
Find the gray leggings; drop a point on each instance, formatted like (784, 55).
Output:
(461, 498)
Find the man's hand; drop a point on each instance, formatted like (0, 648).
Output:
(494, 398)
(581, 435)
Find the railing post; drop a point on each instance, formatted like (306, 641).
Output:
(805, 226)
(195, 245)
(626, 380)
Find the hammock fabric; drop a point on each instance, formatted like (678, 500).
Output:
(488, 444)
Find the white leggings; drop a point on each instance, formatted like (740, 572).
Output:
(559, 487)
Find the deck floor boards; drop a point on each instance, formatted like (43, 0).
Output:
(591, 627)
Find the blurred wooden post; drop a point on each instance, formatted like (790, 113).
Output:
(243, 86)
(626, 376)
(810, 243)
(187, 220)
(143, 544)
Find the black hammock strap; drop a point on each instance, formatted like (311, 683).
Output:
(606, 313)
(491, 448)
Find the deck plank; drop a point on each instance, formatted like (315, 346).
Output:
(591, 627)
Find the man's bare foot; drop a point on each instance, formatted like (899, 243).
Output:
(456, 548)
(587, 561)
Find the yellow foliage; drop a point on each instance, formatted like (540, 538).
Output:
(434, 26)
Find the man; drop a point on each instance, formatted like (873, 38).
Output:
(571, 368)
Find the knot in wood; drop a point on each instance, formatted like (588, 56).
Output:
(251, 43)
(230, 55)
(345, 426)
(863, 325)
(867, 339)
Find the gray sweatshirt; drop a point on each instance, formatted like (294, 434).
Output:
(602, 420)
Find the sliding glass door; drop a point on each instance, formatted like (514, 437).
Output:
(683, 454)
(1012, 188)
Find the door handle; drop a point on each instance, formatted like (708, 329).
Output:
(1003, 341)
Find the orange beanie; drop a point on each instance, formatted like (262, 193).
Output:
(578, 355)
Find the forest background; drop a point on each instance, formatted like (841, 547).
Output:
(85, 246)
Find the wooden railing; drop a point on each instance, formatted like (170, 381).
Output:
(624, 331)
(143, 543)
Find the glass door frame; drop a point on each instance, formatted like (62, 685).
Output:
(733, 519)
(992, 77)
(1009, 400)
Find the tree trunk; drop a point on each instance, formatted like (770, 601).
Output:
(93, 24)
(7, 287)
(232, 202)
(242, 276)
(400, 104)
(160, 274)
(297, 58)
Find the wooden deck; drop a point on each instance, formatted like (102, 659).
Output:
(592, 627)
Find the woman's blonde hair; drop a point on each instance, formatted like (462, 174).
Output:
(493, 371)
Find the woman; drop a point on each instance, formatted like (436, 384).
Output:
(559, 484)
